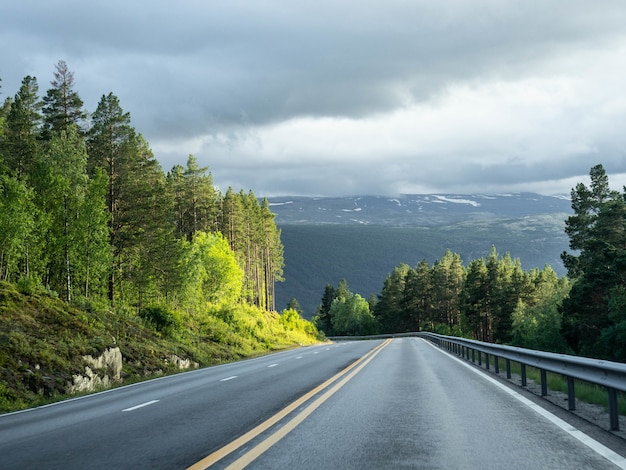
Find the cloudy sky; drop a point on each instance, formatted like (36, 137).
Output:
(348, 97)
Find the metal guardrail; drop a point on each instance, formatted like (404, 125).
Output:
(607, 374)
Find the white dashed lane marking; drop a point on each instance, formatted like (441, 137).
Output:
(133, 408)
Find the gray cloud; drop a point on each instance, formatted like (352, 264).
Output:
(347, 97)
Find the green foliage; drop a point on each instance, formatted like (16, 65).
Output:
(212, 272)
(43, 339)
(21, 146)
(27, 285)
(316, 255)
(592, 319)
(292, 321)
(613, 338)
(492, 299)
(390, 307)
(344, 313)
(352, 316)
(294, 305)
(92, 215)
(62, 106)
(539, 326)
(161, 318)
(17, 224)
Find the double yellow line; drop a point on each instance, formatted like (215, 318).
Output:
(348, 373)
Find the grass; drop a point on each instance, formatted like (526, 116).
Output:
(43, 341)
(585, 391)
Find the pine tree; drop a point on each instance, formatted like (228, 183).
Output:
(322, 318)
(21, 146)
(201, 198)
(196, 202)
(597, 231)
(62, 107)
(146, 241)
(447, 282)
(16, 226)
(62, 197)
(475, 301)
(232, 215)
(417, 302)
(389, 309)
(94, 253)
(272, 255)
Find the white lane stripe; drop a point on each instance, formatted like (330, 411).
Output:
(132, 408)
(272, 365)
(229, 378)
(594, 445)
(298, 357)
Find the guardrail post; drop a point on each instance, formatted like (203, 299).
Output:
(544, 382)
(613, 411)
(571, 394)
(609, 375)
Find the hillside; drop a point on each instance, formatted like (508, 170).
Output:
(362, 239)
(50, 350)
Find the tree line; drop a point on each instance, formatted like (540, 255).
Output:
(493, 299)
(87, 212)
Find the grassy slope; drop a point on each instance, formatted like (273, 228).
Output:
(42, 341)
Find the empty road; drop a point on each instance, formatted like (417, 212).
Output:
(401, 403)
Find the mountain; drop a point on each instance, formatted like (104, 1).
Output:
(361, 239)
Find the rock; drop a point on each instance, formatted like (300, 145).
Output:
(180, 362)
(101, 372)
(111, 360)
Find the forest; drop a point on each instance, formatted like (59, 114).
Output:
(87, 214)
(493, 299)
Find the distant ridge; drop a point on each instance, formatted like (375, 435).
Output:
(412, 210)
(363, 238)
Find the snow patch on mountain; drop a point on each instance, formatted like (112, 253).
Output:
(455, 201)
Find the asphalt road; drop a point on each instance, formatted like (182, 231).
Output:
(401, 404)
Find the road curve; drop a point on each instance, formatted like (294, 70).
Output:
(170, 422)
(365, 404)
(415, 406)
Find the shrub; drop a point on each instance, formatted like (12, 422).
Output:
(27, 285)
(161, 318)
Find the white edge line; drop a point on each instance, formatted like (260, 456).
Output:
(144, 382)
(133, 408)
(594, 445)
